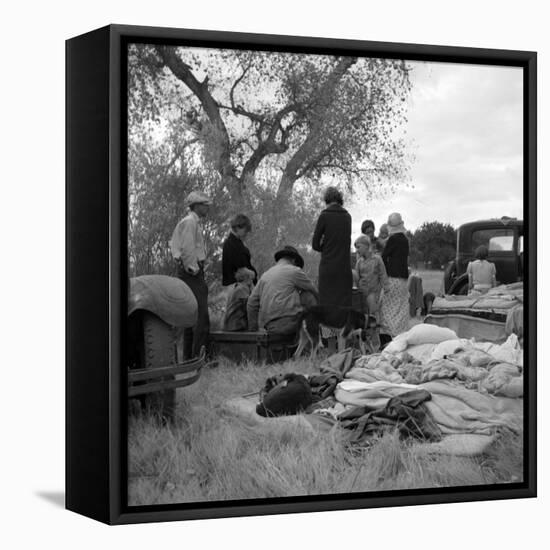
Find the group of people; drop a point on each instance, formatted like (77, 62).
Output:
(275, 300)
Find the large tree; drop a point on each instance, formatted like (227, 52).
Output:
(260, 131)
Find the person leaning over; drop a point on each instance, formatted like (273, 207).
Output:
(235, 253)
(275, 304)
(188, 249)
(481, 273)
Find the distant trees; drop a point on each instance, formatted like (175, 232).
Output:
(433, 243)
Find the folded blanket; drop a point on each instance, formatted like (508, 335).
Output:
(460, 410)
(455, 409)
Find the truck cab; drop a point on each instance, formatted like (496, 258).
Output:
(503, 237)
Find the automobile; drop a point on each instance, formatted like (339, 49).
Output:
(504, 239)
(159, 308)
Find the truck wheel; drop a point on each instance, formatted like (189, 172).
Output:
(448, 276)
(460, 286)
(461, 290)
(159, 350)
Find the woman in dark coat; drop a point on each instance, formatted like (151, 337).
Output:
(235, 253)
(332, 238)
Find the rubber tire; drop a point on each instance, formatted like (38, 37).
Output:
(448, 276)
(462, 289)
(159, 350)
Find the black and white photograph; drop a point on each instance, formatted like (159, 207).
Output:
(326, 262)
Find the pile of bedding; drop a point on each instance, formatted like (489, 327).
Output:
(470, 387)
(453, 395)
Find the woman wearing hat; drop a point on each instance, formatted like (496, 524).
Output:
(394, 311)
(332, 238)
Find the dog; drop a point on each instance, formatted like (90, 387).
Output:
(349, 322)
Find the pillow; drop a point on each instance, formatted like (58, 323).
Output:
(397, 345)
(428, 334)
(420, 334)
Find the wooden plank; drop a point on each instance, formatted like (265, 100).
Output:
(162, 386)
(260, 338)
(148, 374)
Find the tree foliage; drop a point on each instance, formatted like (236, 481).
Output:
(434, 243)
(259, 131)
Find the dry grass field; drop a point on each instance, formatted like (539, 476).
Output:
(212, 455)
(432, 280)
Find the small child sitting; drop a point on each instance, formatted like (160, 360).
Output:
(481, 273)
(372, 275)
(235, 318)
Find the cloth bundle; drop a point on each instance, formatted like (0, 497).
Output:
(406, 412)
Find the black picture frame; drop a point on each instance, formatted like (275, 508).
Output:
(96, 273)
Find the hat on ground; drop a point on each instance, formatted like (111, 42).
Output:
(290, 396)
(290, 252)
(395, 223)
(197, 197)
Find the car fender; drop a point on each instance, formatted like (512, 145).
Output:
(167, 297)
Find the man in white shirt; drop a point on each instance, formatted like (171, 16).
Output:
(187, 247)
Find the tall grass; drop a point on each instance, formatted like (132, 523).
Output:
(209, 454)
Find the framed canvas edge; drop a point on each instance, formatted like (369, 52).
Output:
(119, 512)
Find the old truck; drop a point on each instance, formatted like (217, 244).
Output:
(159, 308)
(504, 239)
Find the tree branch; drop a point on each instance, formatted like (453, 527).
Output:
(269, 145)
(182, 71)
(307, 149)
(179, 150)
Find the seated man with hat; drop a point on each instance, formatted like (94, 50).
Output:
(275, 303)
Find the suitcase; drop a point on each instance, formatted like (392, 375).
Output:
(259, 347)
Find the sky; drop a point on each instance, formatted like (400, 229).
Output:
(465, 131)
